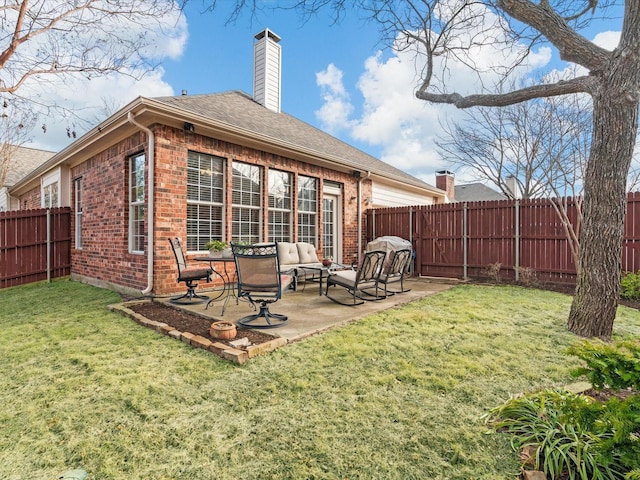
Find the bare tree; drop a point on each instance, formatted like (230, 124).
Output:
(541, 145)
(15, 123)
(444, 31)
(45, 41)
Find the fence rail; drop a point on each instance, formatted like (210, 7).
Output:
(461, 240)
(34, 245)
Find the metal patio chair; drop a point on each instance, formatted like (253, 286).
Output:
(261, 282)
(359, 282)
(188, 275)
(396, 270)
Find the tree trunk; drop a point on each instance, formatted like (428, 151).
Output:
(615, 123)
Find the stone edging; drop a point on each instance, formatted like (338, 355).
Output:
(236, 355)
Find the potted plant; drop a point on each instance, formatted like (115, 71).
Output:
(218, 248)
(223, 330)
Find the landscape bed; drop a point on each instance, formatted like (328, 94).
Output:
(193, 329)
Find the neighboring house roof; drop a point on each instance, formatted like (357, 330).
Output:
(240, 110)
(473, 192)
(23, 161)
(235, 117)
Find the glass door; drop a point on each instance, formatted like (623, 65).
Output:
(331, 226)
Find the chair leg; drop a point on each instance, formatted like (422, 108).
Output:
(402, 289)
(375, 296)
(188, 298)
(352, 292)
(271, 320)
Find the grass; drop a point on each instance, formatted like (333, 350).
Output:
(397, 395)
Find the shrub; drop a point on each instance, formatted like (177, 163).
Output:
(630, 286)
(526, 275)
(573, 434)
(493, 271)
(615, 365)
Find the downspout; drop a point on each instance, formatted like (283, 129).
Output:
(150, 177)
(360, 179)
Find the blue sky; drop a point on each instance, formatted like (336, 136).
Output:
(337, 77)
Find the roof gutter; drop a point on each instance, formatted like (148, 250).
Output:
(150, 219)
(360, 179)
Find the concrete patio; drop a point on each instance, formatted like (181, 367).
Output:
(310, 313)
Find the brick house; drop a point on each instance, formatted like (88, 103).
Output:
(220, 166)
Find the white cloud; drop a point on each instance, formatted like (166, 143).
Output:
(405, 128)
(608, 40)
(334, 113)
(92, 100)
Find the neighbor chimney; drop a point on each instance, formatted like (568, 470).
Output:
(444, 181)
(512, 186)
(266, 70)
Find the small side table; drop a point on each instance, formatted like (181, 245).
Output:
(227, 281)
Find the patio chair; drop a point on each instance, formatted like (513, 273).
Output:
(395, 271)
(260, 281)
(359, 282)
(188, 275)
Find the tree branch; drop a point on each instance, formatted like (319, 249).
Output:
(572, 46)
(576, 85)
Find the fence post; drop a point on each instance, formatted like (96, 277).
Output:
(48, 245)
(411, 266)
(464, 241)
(517, 239)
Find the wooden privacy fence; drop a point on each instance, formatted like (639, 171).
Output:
(34, 245)
(462, 240)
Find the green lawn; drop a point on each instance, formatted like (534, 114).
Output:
(397, 395)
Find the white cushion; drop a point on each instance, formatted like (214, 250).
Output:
(306, 253)
(288, 253)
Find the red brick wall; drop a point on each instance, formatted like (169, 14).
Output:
(105, 219)
(104, 256)
(31, 199)
(172, 147)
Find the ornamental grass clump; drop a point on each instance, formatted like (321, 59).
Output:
(575, 435)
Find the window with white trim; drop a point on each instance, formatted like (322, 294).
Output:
(246, 202)
(137, 204)
(205, 200)
(77, 186)
(50, 190)
(308, 209)
(279, 206)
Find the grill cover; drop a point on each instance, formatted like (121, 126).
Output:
(389, 244)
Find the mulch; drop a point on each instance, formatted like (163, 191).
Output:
(195, 324)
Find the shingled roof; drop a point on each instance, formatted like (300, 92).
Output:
(239, 110)
(473, 192)
(23, 161)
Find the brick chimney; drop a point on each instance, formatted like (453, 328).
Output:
(266, 70)
(445, 181)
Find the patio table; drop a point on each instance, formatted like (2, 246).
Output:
(228, 284)
(324, 272)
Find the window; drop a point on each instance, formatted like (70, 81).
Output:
(205, 200)
(279, 206)
(307, 209)
(136, 204)
(77, 184)
(50, 190)
(246, 193)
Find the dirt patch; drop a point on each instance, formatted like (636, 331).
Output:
(195, 324)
